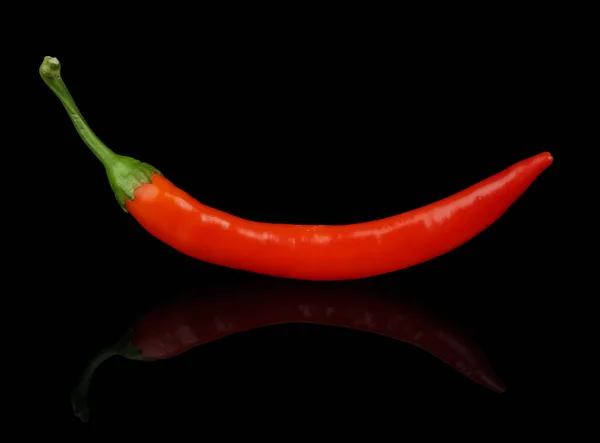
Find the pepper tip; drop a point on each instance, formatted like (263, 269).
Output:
(543, 160)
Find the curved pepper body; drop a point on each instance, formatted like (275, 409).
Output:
(340, 252)
(296, 251)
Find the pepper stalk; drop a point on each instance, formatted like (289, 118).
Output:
(125, 174)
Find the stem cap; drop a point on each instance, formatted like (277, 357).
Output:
(126, 174)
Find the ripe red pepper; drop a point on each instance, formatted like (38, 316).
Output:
(316, 252)
(223, 311)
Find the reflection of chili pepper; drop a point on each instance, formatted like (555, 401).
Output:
(194, 321)
(294, 251)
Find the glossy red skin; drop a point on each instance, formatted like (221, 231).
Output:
(343, 252)
(180, 327)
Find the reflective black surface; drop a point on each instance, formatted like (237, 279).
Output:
(294, 136)
(223, 310)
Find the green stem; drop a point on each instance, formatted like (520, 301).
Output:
(125, 174)
(79, 397)
(50, 72)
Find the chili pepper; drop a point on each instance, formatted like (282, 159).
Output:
(316, 252)
(230, 309)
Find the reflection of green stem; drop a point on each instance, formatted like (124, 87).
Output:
(79, 398)
(125, 174)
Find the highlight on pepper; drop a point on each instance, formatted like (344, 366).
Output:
(335, 252)
(230, 309)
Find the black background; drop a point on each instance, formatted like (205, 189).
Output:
(332, 128)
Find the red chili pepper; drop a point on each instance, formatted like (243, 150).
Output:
(317, 252)
(188, 323)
